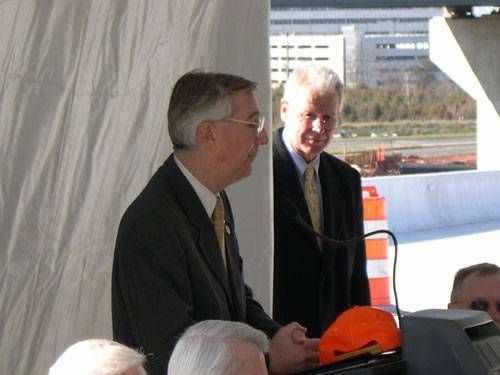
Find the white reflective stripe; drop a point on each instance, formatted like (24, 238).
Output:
(375, 224)
(371, 225)
(377, 268)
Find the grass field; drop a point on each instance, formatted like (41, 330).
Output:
(357, 144)
(433, 129)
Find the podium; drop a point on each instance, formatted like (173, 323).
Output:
(458, 342)
(381, 364)
(435, 342)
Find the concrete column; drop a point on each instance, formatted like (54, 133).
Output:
(468, 51)
(354, 64)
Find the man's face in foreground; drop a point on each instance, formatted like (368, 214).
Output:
(238, 143)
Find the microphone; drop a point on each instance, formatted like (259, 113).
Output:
(291, 210)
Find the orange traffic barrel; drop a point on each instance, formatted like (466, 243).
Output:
(377, 264)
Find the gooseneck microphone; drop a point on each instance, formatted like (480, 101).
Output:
(291, 210)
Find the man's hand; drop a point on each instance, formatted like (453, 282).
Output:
(291, 351)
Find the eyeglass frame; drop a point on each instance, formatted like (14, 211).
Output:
(329, 123)
(259, 125)
(483, 305)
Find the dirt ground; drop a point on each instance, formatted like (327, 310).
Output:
(377, 163)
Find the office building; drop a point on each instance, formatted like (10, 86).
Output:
(375, 47)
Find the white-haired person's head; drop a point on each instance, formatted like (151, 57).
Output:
(216, 347)
(310, 109)
(320, 77)
(99, 357)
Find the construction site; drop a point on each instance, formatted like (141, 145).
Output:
(386, 160)
(379, 163)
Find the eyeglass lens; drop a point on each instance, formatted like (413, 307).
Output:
(327, 122)
(483, 305)
(261, 123)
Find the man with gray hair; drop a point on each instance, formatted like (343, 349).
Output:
(315, 281)
(477, 287)
(176, 259)
(99, 357)
(217, 347)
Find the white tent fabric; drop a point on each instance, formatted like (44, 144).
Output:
(84, 87)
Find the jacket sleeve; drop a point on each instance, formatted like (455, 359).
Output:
(152, 300)
(255, 314)
(257, 317)
(360, 290)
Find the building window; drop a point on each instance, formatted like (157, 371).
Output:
(394, 58)
(385, 46)
(280, 22)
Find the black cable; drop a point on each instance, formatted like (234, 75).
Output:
(294, 213)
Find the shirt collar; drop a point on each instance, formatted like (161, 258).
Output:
(206, 197)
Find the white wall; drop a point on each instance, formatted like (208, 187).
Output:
(428, 201)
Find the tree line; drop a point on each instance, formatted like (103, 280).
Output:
(439, 101)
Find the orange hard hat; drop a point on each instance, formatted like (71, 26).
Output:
(357, 328)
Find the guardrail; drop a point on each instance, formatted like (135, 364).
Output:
(427, 201)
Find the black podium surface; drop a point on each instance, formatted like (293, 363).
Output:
(385, 364)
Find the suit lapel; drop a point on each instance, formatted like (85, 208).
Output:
(288, 181)
(234, 275)
(200, 222)
(333, 205)
(333, 209)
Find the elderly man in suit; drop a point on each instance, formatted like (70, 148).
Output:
(315, 281)
(176, 259)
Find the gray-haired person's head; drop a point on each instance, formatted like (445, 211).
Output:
(99, 357)
(323, 79)
(198, 97)
(208, 347)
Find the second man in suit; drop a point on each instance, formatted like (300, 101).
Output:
(315, 281)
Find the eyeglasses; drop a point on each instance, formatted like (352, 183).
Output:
(483, 305)
(259, 123)
(328, 122)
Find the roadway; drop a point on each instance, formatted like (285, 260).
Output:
(428, 261)
(422, 147)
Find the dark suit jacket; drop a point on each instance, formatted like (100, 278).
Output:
(168, 272)
(314, 286)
